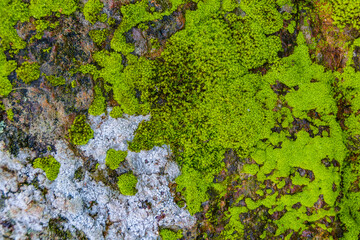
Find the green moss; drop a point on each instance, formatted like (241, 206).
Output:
(99, 36)
(127, 183)
(6, 67)
(42, 8)
(167, 234)
(49, 165)
(116, 112)
(55, 81)
(350, 205)
(134, 14)
(346, 12)
(80, 131)
(98, 106)
(28, 72)
(10, 114)
(12, 11)
(91, 10)
(279, 163)
(114, 158)
(201, 96)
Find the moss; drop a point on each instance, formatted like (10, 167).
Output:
(6, 67)
(134, 14)
(279, 163)
(98, 106)
(55, 81)
(10, 114)
(10, 13)
(49, 165)
(116, 112)
(99, 36)
(193, 185)
(127, 183)
(167, 234)
(80, 131)
(114, 158)
(42, 8)
(28, 72)
(346, 12)
(91, 10)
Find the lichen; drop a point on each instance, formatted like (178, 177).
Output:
(114, 158)
(49, 165)
(80, 131)
(127, 183)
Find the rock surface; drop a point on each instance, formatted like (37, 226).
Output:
(29, 201)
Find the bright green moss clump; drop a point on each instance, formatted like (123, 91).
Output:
(167, 234)
(99, 36)
(28, 72)
(98, 105)
(42, 8)
(49, 165)
(201, 96)
(127, 183)
(116, 112)
(114, 158)
(91, 10)
(12, 11)
(10, 114)
(346, 12)
(80, 132)
(6, 67)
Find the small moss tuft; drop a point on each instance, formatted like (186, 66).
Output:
(127, 183)
(91, 10)
(167, 234)
(80, 131)
(114, 158)
(99, 36)
(116, 112)
(28, 72)
(10, 114)
(98, 105)
(49, 165)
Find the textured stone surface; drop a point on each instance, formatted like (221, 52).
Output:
(29, 200)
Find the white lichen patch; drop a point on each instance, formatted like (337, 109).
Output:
(29, 201)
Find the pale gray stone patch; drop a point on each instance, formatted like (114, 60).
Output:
(87, 205)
